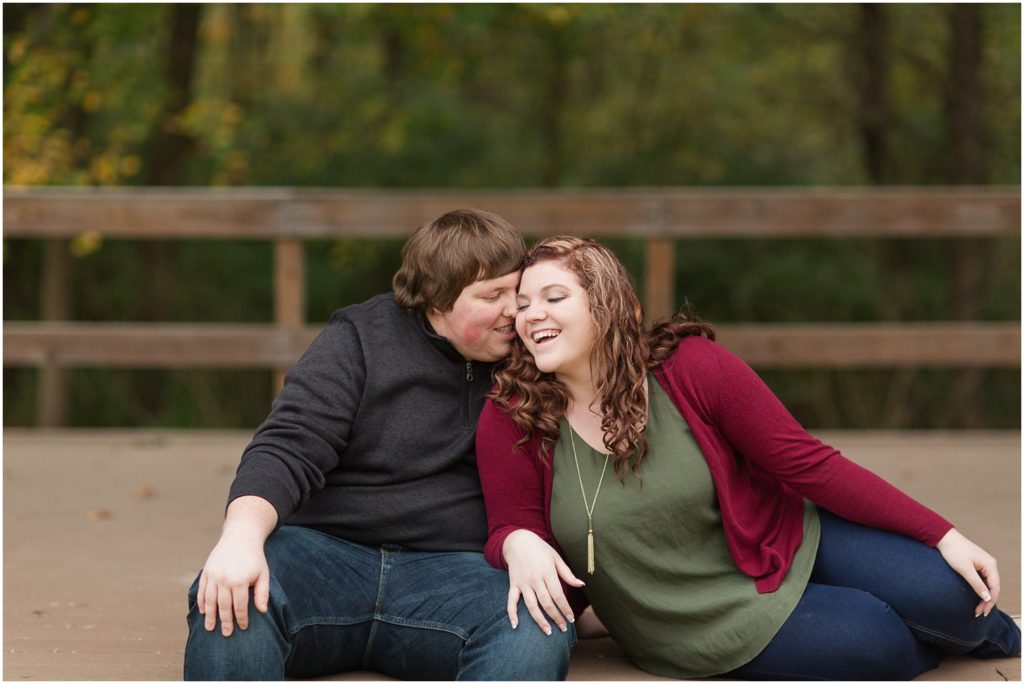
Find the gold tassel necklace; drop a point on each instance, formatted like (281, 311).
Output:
(588, 506)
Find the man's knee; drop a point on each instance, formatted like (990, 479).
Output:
(549, 656)
(529, 630)
(257, 652)
(539, 655)
(526, 653)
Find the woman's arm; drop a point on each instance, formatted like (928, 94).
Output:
(512, 483)
(518, 536)
(757, 425)
(759, 428)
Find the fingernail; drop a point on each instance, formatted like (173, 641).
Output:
(547, 631)
(987, 596)
(563, 628)
(572, 619)
(987, 612)
(978, 614)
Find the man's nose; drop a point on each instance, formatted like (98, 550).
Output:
(511, 308)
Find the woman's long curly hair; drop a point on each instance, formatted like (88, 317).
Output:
(623, 352)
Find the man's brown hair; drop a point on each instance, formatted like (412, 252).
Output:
(453, 251)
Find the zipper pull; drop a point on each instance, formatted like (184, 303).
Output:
(469, 371)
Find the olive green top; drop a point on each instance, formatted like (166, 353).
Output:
(665, 584)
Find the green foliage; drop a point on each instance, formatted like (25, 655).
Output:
(500, 96)
(343, 272)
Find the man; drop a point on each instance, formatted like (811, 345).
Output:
(355, 523)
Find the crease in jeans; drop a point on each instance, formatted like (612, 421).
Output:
(469, 638)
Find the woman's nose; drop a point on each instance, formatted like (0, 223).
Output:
(535, 313)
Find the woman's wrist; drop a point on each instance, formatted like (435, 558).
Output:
(948, 538)
(513, 539)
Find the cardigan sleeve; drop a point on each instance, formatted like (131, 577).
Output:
(758, 426)
(512, 481)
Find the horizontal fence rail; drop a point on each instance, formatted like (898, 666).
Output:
(272, 213)
(130, 345)
(289, 216)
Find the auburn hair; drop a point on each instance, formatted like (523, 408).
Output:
(455, 250)
(624, 350)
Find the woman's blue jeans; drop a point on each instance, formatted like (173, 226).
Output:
(337, 606)
(879, 606)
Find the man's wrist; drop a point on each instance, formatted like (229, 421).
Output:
(249, 518)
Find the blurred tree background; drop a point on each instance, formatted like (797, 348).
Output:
(507, 96)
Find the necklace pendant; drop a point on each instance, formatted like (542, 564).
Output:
(590, 552)
(588, 506)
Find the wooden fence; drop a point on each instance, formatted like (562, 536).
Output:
(290, 216)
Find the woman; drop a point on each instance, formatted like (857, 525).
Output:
(679, 488)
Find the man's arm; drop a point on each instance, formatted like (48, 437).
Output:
(286, 461)
(236, 563)
(309, 425)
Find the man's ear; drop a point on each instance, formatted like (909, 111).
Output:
(434, 315)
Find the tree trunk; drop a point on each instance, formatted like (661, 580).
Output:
(170, 149)
(875, 118)
(874, 92)
(555, 85)
(171, 146)
(967, 166)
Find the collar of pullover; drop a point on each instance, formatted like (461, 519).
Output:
(441, 343)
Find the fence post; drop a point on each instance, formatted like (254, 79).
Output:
(659, 278)
(289, 291)
(55, 299)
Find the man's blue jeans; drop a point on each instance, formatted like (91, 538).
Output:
(879, 606)
(337, 606)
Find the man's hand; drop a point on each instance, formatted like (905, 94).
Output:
(236, 563)
(534, 569)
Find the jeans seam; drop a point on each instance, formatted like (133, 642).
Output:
(376, 610)
(422, 624)
(775, 674)
(941, 635)
(324, 621)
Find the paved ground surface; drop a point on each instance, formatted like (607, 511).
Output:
(104, 531)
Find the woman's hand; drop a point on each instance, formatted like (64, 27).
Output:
(534, 569)
(974, 565)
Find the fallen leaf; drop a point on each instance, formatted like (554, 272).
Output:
(99, 513)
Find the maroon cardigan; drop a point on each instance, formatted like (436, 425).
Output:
(763, 463)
